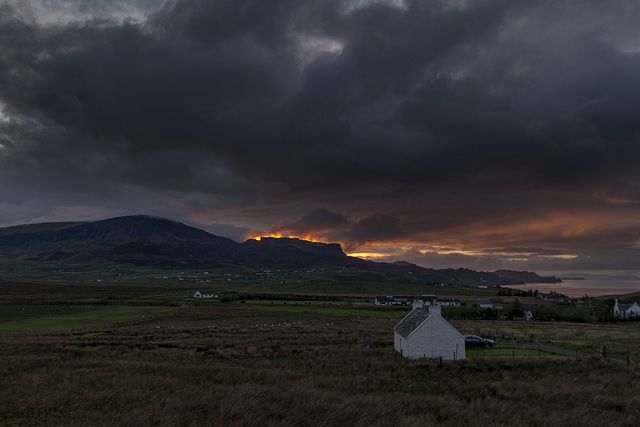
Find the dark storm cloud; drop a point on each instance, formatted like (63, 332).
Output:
(331, 226)
(375, 228)
(407, 120)
(316, 222)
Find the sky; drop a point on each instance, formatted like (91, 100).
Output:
(482, 134)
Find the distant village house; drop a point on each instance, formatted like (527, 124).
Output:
(625, 310)
(449, 302)
(529, 312)
(204, 294)
(403, 300)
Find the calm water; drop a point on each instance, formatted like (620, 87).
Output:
(591, 287)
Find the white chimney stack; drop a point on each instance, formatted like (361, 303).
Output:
(435, 308)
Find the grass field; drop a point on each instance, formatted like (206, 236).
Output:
(223, 364)
(83, 319)
(285, 362)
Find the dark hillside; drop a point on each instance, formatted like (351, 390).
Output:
(288, 253)
(527, 276)
(147, 241)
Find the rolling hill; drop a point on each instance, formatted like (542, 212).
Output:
(146, 241)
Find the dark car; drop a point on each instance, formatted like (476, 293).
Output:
(476, 341)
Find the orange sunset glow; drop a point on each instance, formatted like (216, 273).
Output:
(309, 238)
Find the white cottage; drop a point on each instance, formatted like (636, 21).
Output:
(424, 333)
(626, 310)
(203, 294)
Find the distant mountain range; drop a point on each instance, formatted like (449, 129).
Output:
(147, 241)
(589, 276)
(527, 276)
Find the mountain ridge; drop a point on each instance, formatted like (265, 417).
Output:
(143, 240)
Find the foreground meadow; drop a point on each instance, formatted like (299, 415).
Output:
(222, 364)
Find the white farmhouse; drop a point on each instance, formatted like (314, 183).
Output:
(203, 294)
(449, 302)
(626, 310)
(403, 300)
(424, 333)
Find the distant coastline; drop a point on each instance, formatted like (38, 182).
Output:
(592, 287)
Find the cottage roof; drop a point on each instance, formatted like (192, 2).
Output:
(411, 321)
(625, 307)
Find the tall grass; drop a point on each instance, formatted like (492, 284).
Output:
(221, 365)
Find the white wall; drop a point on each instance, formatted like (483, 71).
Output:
(434, 338)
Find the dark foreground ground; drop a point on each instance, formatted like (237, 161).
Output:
(225, 365)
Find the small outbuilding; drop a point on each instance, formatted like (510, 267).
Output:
(424, 333)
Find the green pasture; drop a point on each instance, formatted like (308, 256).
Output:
(619, 339)
(82, 319)
(371, 289)
(18, 311)
(338, 308)
(511, 353)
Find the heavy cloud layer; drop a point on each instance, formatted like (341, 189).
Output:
(484, 134)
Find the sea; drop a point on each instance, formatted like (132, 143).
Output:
(592, 287)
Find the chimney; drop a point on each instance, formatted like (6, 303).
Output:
(435, 308)
(417, 303)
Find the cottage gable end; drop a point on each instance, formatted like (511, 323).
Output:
(424, 333)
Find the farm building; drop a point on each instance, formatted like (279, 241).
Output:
(626, 310)
(403, 300)
(204, 294)
(530, 312)
(449, 302)
(424, 333)
(485, 304)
